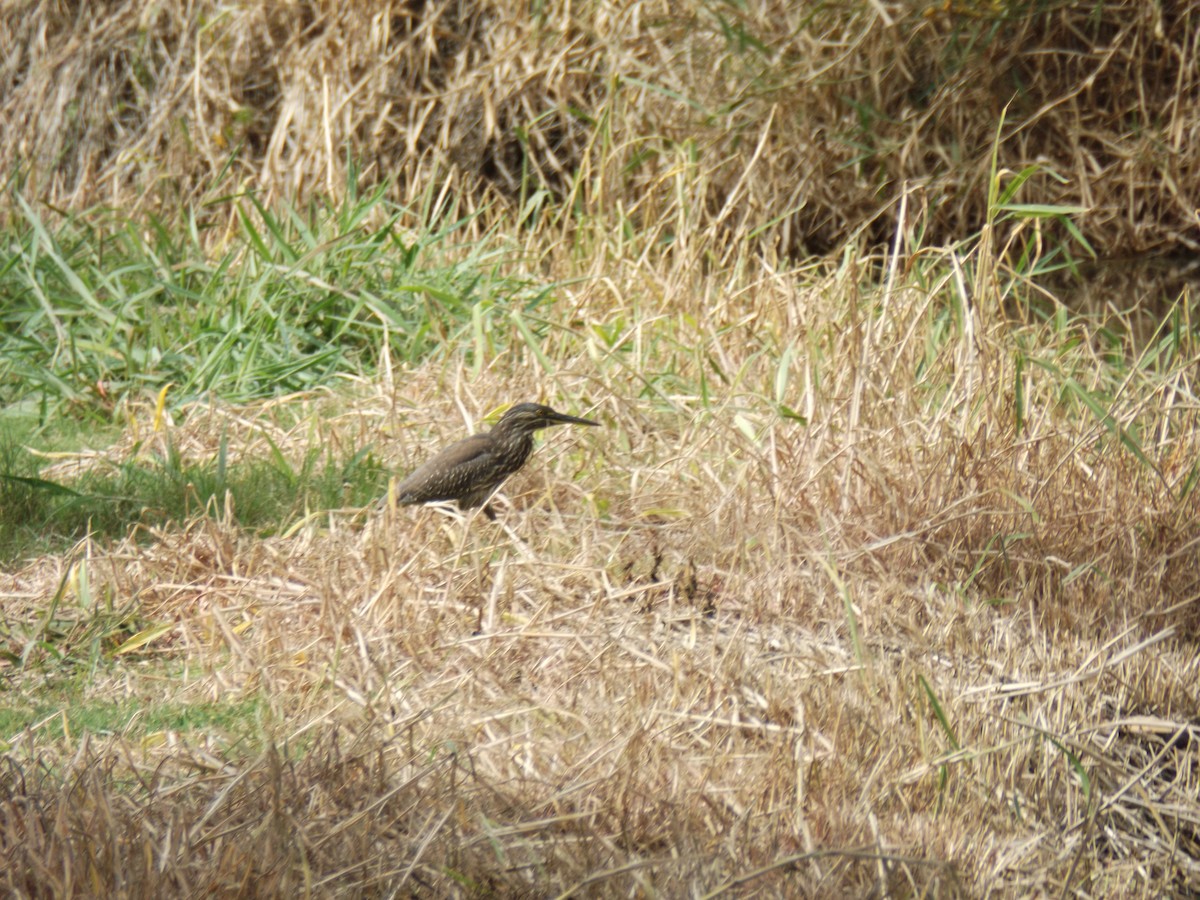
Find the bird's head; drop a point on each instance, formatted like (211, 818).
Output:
(526, 418)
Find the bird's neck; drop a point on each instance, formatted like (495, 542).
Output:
(516, 447)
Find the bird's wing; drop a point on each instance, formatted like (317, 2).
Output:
(449, 474)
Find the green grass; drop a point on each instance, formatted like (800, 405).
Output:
(98, 308)
(67, 714)
(42, 515)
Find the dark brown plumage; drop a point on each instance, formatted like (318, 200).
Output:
(470, 470)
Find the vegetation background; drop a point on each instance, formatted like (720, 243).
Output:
(882, 577)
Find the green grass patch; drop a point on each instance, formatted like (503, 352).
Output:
(70, 716)
(96, 307)
(43, 515)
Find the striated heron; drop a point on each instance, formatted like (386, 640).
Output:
(470, 470)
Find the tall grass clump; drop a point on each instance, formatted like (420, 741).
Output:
(102, 308)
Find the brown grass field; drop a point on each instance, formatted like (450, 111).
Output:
(881, 577)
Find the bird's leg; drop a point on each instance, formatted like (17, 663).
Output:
(478, 563)
(481, 557)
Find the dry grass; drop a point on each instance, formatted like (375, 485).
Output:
(905, 648)
(802, 123)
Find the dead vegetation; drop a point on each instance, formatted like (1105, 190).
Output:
(902, 648)
(803, 124)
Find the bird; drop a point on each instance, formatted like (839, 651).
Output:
(470, 470)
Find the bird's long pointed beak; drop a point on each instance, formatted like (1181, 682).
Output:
(563, 419)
